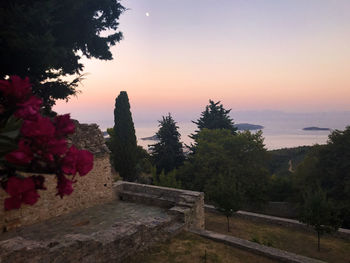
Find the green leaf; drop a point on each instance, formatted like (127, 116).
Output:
(11, 128)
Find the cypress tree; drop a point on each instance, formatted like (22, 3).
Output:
(124, 142)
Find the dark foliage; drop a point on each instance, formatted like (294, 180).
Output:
(281, 160)
(215, 116)
(237, 158)
(317, 211)
(328, 167)
(227, 194)
(45, 39)
(168, 153)
(123, 143)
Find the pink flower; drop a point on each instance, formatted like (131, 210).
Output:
(85, 162)
(42, 126)
(16, 87)
(29, 109)
(12, 203)
(69, 163)
(64, 125)
(77, 161)
(23, 155)
(64, 186)
(20, 191)
(57, 146)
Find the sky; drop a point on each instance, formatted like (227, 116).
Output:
(286, 55)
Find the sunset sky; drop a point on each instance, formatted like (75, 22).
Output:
(290, 55)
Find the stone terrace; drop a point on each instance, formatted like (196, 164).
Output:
(104, 233)
(110, 232)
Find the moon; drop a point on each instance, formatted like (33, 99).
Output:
(147, 14)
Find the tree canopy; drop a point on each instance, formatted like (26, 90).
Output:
(328, 167)
(45, 39)
(215, 116)
(226, 194)
(167, 154)
(123, 143)
(317, 211)
(241, 157)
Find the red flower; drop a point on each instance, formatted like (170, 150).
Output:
(23, 155)
(42, 126)
(77, 161)
(57, 146)
(64, 186)
(21, 191)
(29, 109)
(12, 203)
(64, 125)
(16, 87)
(69, 163)
(85, 162)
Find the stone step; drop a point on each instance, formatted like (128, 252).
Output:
(175, 228)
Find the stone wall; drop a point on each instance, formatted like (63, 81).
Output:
(187, 205)
(280, 209)
(94, 188)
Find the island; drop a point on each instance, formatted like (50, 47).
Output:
(151, 138)
(315, 129)
(248, 127)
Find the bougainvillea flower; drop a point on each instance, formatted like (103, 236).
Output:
(85, 162)
(64, 125)
(56, 146)
(20, 191)
(29, 109)
(75, 160)
(42, 126)
(16, 87)
(64, 186)
(30, 197)
(69, 163)
(22, 155)
(12, 203)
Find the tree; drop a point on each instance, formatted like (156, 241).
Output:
(215, 116)
(124, 144)
(226, 194)
(166, 180)
(317, 211)
(45, 39)
(219, 152)
(168, 153)
(328, 166)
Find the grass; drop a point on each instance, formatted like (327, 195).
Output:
(286, 238)
(190, 248)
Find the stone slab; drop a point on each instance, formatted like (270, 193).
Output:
(167, 198)
(273, 253)
(111, 232)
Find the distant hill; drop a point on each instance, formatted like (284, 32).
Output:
(315, 129)
(283, 161)
(248, 127)
(151, 138)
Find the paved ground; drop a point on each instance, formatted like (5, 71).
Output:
(91, 220)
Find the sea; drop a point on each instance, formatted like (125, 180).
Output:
(281, 130)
